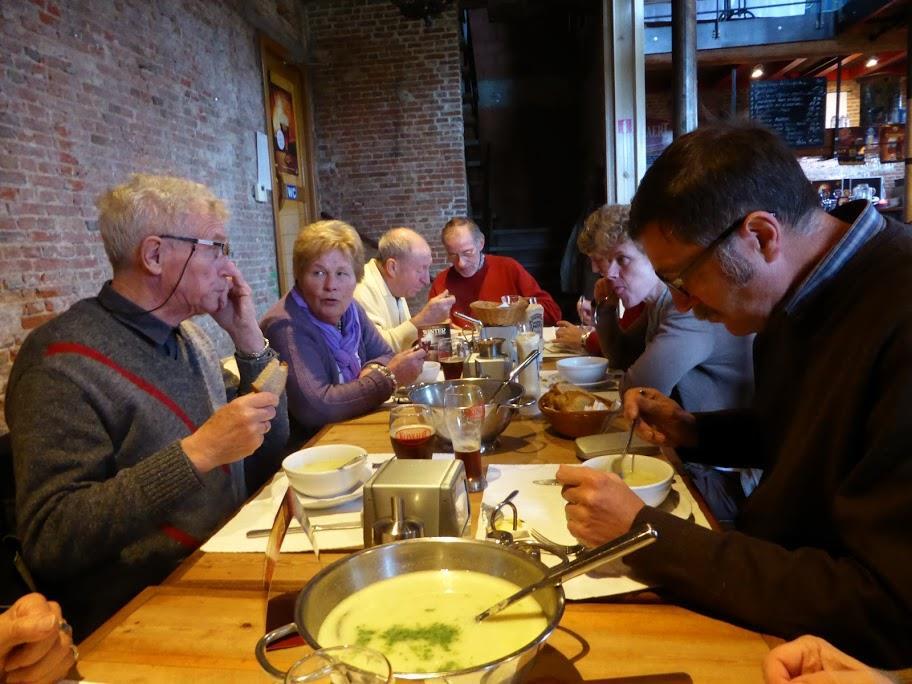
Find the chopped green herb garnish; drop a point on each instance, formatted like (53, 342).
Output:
(435, 634)
(365, 634)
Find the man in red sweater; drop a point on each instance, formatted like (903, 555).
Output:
(476, 276)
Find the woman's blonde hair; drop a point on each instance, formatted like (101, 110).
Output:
(150, 205)
(604, 229)
(324, 236)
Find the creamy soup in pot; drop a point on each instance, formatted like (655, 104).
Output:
(425, 621)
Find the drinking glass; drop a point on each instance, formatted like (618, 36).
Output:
(463, 411)
(341, 665)
(452, 354)
(412, 431)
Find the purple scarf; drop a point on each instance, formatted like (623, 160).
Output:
(344, 344)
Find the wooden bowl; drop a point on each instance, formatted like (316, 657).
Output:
(577, 423)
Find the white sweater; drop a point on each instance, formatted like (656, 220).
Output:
(390, 314)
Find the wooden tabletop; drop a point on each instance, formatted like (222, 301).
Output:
(202, 624)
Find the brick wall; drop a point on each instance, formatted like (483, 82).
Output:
(388, 117)
(91, 91)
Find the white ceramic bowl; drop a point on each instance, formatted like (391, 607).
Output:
(315, 471)
(582, 369)
(430, 372)
(658, 471)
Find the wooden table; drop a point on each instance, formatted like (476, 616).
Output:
(203, 623)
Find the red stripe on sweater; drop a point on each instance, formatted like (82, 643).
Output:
(180, 536)
(144, 385)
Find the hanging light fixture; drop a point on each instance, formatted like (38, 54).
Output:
(422, 9)
(872, 62)
(757, 72)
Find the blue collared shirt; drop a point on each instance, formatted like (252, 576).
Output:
(149, 327)
(866, 223)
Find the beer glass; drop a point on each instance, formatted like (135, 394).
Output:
(463, 411)
(338, 664)
(452, 353)
(412, 431)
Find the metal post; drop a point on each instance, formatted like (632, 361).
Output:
(625, 97)
(734, 94)
(907, 199)
(684, 61)
(838, 100)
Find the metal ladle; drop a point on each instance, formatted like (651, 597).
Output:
(637, 538)
(515, 373)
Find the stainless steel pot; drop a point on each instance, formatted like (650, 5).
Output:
(347, 575)
(497, 414)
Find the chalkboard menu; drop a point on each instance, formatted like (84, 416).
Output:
(794, 108)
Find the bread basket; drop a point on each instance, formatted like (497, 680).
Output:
(497, 314)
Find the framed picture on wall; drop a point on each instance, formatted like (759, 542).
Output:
(284, 137)
(850, 145)
(892, 143)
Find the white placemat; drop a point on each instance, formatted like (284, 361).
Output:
(541, 507)
(258, 513)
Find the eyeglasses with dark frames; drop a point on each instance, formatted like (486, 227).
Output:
(223, 247)
(676, 284)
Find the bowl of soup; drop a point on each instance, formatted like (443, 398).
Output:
(650, 478)
(327, 470)
(415, 601)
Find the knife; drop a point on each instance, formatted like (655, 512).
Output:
(319, 527)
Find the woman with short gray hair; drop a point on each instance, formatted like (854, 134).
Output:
(339, 365)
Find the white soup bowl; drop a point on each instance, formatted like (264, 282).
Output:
(656, 471)
(316, 471)
(583, 369)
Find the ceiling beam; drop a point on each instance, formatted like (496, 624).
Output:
(788, 68)
(896, 40)
(832, 67)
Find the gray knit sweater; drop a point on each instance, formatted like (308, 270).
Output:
(107, 502)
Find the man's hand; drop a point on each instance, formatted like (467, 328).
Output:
(569, 335)
(662, 420)
(436, 310)
(237, 314)
(599, 506)
(34, 646)
(406, 365)
(811, 660)
(233, 432)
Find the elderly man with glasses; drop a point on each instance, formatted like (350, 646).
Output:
(477, 276)
(822, 545)
(127, 450)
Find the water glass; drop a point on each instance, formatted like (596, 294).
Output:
(463, 411)
(412, 431)
(341, 665)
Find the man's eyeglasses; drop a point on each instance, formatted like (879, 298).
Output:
(223, 247)
(676, 284)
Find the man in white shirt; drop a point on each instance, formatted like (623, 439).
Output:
(400, 271)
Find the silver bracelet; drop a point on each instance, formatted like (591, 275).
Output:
(247, 356)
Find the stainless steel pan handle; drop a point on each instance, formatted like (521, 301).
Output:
(265, 641)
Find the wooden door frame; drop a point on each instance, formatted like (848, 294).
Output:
(271, 50)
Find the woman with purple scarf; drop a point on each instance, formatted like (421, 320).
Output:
(338, 364)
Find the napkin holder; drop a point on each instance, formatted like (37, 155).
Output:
(433, 493)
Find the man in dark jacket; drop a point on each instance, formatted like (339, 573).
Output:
(732, 225)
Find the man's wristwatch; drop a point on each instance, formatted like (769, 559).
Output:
(256, 356)
(385, 371)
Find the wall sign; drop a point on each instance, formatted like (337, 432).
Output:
(794, 108)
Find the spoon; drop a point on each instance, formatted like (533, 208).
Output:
(352, 461)
(515, 372)
(633, 425)
(637, 538)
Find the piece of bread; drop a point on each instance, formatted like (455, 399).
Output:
(272, 378)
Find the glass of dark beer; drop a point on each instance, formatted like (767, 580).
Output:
(412, 431)
(463, 411)
(452, 354)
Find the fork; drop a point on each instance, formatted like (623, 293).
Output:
(560, 548)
